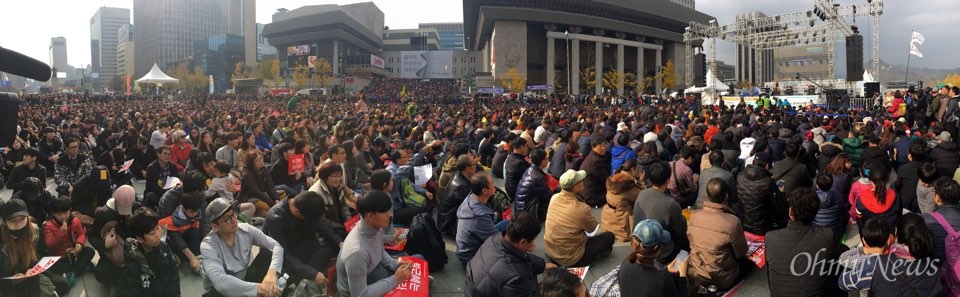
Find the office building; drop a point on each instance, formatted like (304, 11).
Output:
(264, 49)
(103, 41)
(218, 56)
(168, 29)
(451, 34)
(239, 18)
(58, 53)
(755, 66)
(126, 56)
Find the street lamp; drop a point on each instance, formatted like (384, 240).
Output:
(566, 35)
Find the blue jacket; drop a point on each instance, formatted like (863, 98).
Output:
(398, 173)
(474, 226)
(831, 211)
(620, 154)
(263, 143)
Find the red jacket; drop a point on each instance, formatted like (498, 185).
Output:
(180, 155)
(895, 107)
(57, 241)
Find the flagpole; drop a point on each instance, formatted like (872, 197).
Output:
(906, 83)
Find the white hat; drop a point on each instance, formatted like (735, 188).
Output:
(650, 136)
(622, 126)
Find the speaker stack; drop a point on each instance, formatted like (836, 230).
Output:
(9, 111)
(854, 57)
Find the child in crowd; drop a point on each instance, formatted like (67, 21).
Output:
(928, 175)
(225, 186)
(64, 236)
(151, 268)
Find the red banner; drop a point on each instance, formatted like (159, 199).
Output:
(418, 285)
(756, 249)
(128, 84)
(295, 163)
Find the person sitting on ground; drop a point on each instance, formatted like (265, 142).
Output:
(830, 214)
(224, 185)
(294, 224)
(151, 268)
(183, 229)
(783, 246)
(947, 200)
(657, 204)
(717, 243)
(516, 164)
(927, 176)
(157, 177)
(476, 218)
(557, 282)
(641, 273)
(363, 266)
(597, 167)
(573, 236)
(257, 186)
(623, 187)
(861, 262)
(406, 205)
(457, 192)
(504, 265)
(71, 167)
(227, 254)
(283, 180)
(29, 174)
(108, 233)
(18, 254)
(64, 236)
(93, 190)
(533, 194)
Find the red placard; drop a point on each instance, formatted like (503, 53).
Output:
(44, 264)
(756, 249)
(552, 183)
(400, 244)
(295, 164)
(418, 285)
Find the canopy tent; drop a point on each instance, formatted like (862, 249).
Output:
(713, 88)
(156, 76)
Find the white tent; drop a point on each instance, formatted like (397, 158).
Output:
(157, 77)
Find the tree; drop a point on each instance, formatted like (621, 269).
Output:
(513, 81)
(953, 79)
(300, 75)
(323, 73)
(198, 81)
(118, 84)
(239, 72)
(666, 76)
(630, 80)
(612, 77)
(275, 70)
(265, 70)
(648, 83)
(589, 76)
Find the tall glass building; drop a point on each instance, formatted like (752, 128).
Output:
(451, 35)
(218, 56)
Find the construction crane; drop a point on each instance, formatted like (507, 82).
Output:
(824, 24)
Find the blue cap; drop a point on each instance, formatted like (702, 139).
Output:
(650, 233)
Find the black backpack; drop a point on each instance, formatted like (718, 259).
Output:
(425, 239)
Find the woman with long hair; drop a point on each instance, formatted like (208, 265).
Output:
(573, 157)
(257, 186)
(878, 200)
(18, 253)
(247, 147)
(840, 169)
(206, 143)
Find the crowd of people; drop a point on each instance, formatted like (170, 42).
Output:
(683, 184)
(387, 89)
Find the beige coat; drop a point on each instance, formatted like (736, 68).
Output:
(617, 215)
(568, 220)
(717, 244)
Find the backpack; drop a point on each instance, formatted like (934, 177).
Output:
(902, 110)
(951, 265)
(409, 195)
(424, 238)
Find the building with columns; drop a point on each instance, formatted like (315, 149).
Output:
(555, 42)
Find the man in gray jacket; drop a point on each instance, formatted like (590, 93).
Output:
(715, 171)
(226, 252)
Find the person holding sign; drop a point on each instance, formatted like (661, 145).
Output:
(18, 254)
(363, 267)
(285, 172)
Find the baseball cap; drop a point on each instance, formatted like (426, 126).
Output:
(944, 136)
(123, 200)
(650, 233)
(217, 208)
(571, 178)
(12, 209)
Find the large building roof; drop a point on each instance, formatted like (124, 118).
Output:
(318, 22)
(655, 18)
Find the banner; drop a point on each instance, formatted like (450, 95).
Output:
(539, 87)
(426, 64)
(377, 62)
(915, 51)
(495, 91)
(351, 84)
(295, 164)
(418, 285)
(756, 249)
(128, 84)
(917, 38)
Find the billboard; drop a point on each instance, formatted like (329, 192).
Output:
(426, 64)
(301, 54)
(376, 61)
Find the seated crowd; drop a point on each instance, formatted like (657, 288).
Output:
(323, 189)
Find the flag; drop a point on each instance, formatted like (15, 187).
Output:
(915, 51)
(917, 38)
(403, 91)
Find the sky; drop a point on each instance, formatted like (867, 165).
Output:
(29, 25)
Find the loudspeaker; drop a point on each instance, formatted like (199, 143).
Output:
(9, 112)
(854, 57)
(870, 89)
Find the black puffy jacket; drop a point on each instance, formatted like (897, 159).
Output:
(499, 269)
(533, 195)
(457, 191)
(878, 158)
(756, 191)
(947, 155)
(513, 170)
